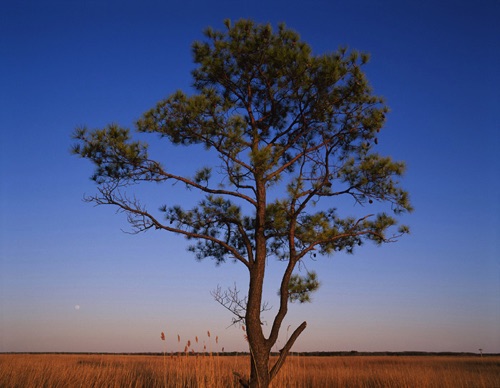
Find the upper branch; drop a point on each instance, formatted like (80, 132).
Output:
(118, 158)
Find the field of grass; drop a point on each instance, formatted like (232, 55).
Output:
(78, 370)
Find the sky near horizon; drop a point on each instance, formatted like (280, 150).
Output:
(71, 280)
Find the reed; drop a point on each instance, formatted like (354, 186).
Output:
(202, 370)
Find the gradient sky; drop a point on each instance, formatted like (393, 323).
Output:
(65, 64)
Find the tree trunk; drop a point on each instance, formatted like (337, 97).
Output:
(259, 348)
(259, 371)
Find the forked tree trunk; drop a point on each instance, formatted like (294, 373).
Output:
(261, 374)
(259, 348)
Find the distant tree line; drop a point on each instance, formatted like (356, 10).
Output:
(301, 354)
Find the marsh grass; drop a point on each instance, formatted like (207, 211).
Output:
(390, 371)
(205, 370)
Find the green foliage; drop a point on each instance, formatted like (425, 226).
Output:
(112, 152)
(301, 287)
(282, 120)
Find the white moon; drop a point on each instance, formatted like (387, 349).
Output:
(77, 307)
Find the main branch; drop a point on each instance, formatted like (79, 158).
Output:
(142, 220)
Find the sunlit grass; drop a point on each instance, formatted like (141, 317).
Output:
(197, 370)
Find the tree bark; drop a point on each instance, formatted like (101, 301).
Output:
(259, 349)
(259, 372)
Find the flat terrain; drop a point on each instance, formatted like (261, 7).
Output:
(79, 370)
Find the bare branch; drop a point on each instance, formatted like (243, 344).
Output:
(231, 300)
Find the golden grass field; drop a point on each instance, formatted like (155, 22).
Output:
(79, 370)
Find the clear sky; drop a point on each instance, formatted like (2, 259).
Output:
(71, 280)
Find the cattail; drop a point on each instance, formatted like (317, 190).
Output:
(178, 338)
(196, 338)
(216, 339)
(185, 349)
(223, 348)
(204, 347)
(162, 336)
(189, 343)
(243, 327)
(208, 332)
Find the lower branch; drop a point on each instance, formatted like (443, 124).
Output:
(286, 349)
(243, 381)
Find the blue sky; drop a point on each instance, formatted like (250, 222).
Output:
(70, 63)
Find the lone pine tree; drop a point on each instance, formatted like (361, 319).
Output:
(294, 133)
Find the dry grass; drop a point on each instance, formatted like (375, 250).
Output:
(390, 371)
(38, 370)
